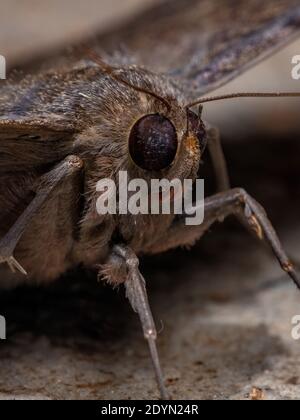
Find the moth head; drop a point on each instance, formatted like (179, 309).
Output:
(154, 141)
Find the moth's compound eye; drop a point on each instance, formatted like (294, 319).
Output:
(153, 142)
(197, 127)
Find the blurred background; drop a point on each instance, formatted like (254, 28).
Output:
(224, 307)
(32, 28)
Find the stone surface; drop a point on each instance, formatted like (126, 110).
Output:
(225, 316)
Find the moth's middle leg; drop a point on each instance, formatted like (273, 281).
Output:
(236, 202)
(45, 186)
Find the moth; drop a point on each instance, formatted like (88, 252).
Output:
(131, 102)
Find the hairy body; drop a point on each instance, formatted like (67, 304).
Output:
(98, 115)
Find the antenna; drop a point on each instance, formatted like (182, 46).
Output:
(112, 71)
(245, 95)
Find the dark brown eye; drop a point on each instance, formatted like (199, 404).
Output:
(197, 127)
(153, 142)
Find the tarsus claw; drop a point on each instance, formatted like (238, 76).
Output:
(13, 264)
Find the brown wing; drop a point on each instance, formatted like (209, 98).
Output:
(32, 134)
(28, 145)
(206, 43)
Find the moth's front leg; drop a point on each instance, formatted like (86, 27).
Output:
(235, 202)
(123, 266)
(218, 159)
(219, 163)
(46, 185)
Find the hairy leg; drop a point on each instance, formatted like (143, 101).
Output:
(124, 262)
(235, 202)
(46, 185)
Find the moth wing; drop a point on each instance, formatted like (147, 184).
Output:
(32, 134)
(206, 43)
(27, 145)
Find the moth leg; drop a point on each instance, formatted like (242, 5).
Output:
(218, 159)
(235, 202)
(45, 186)
(137, 295)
